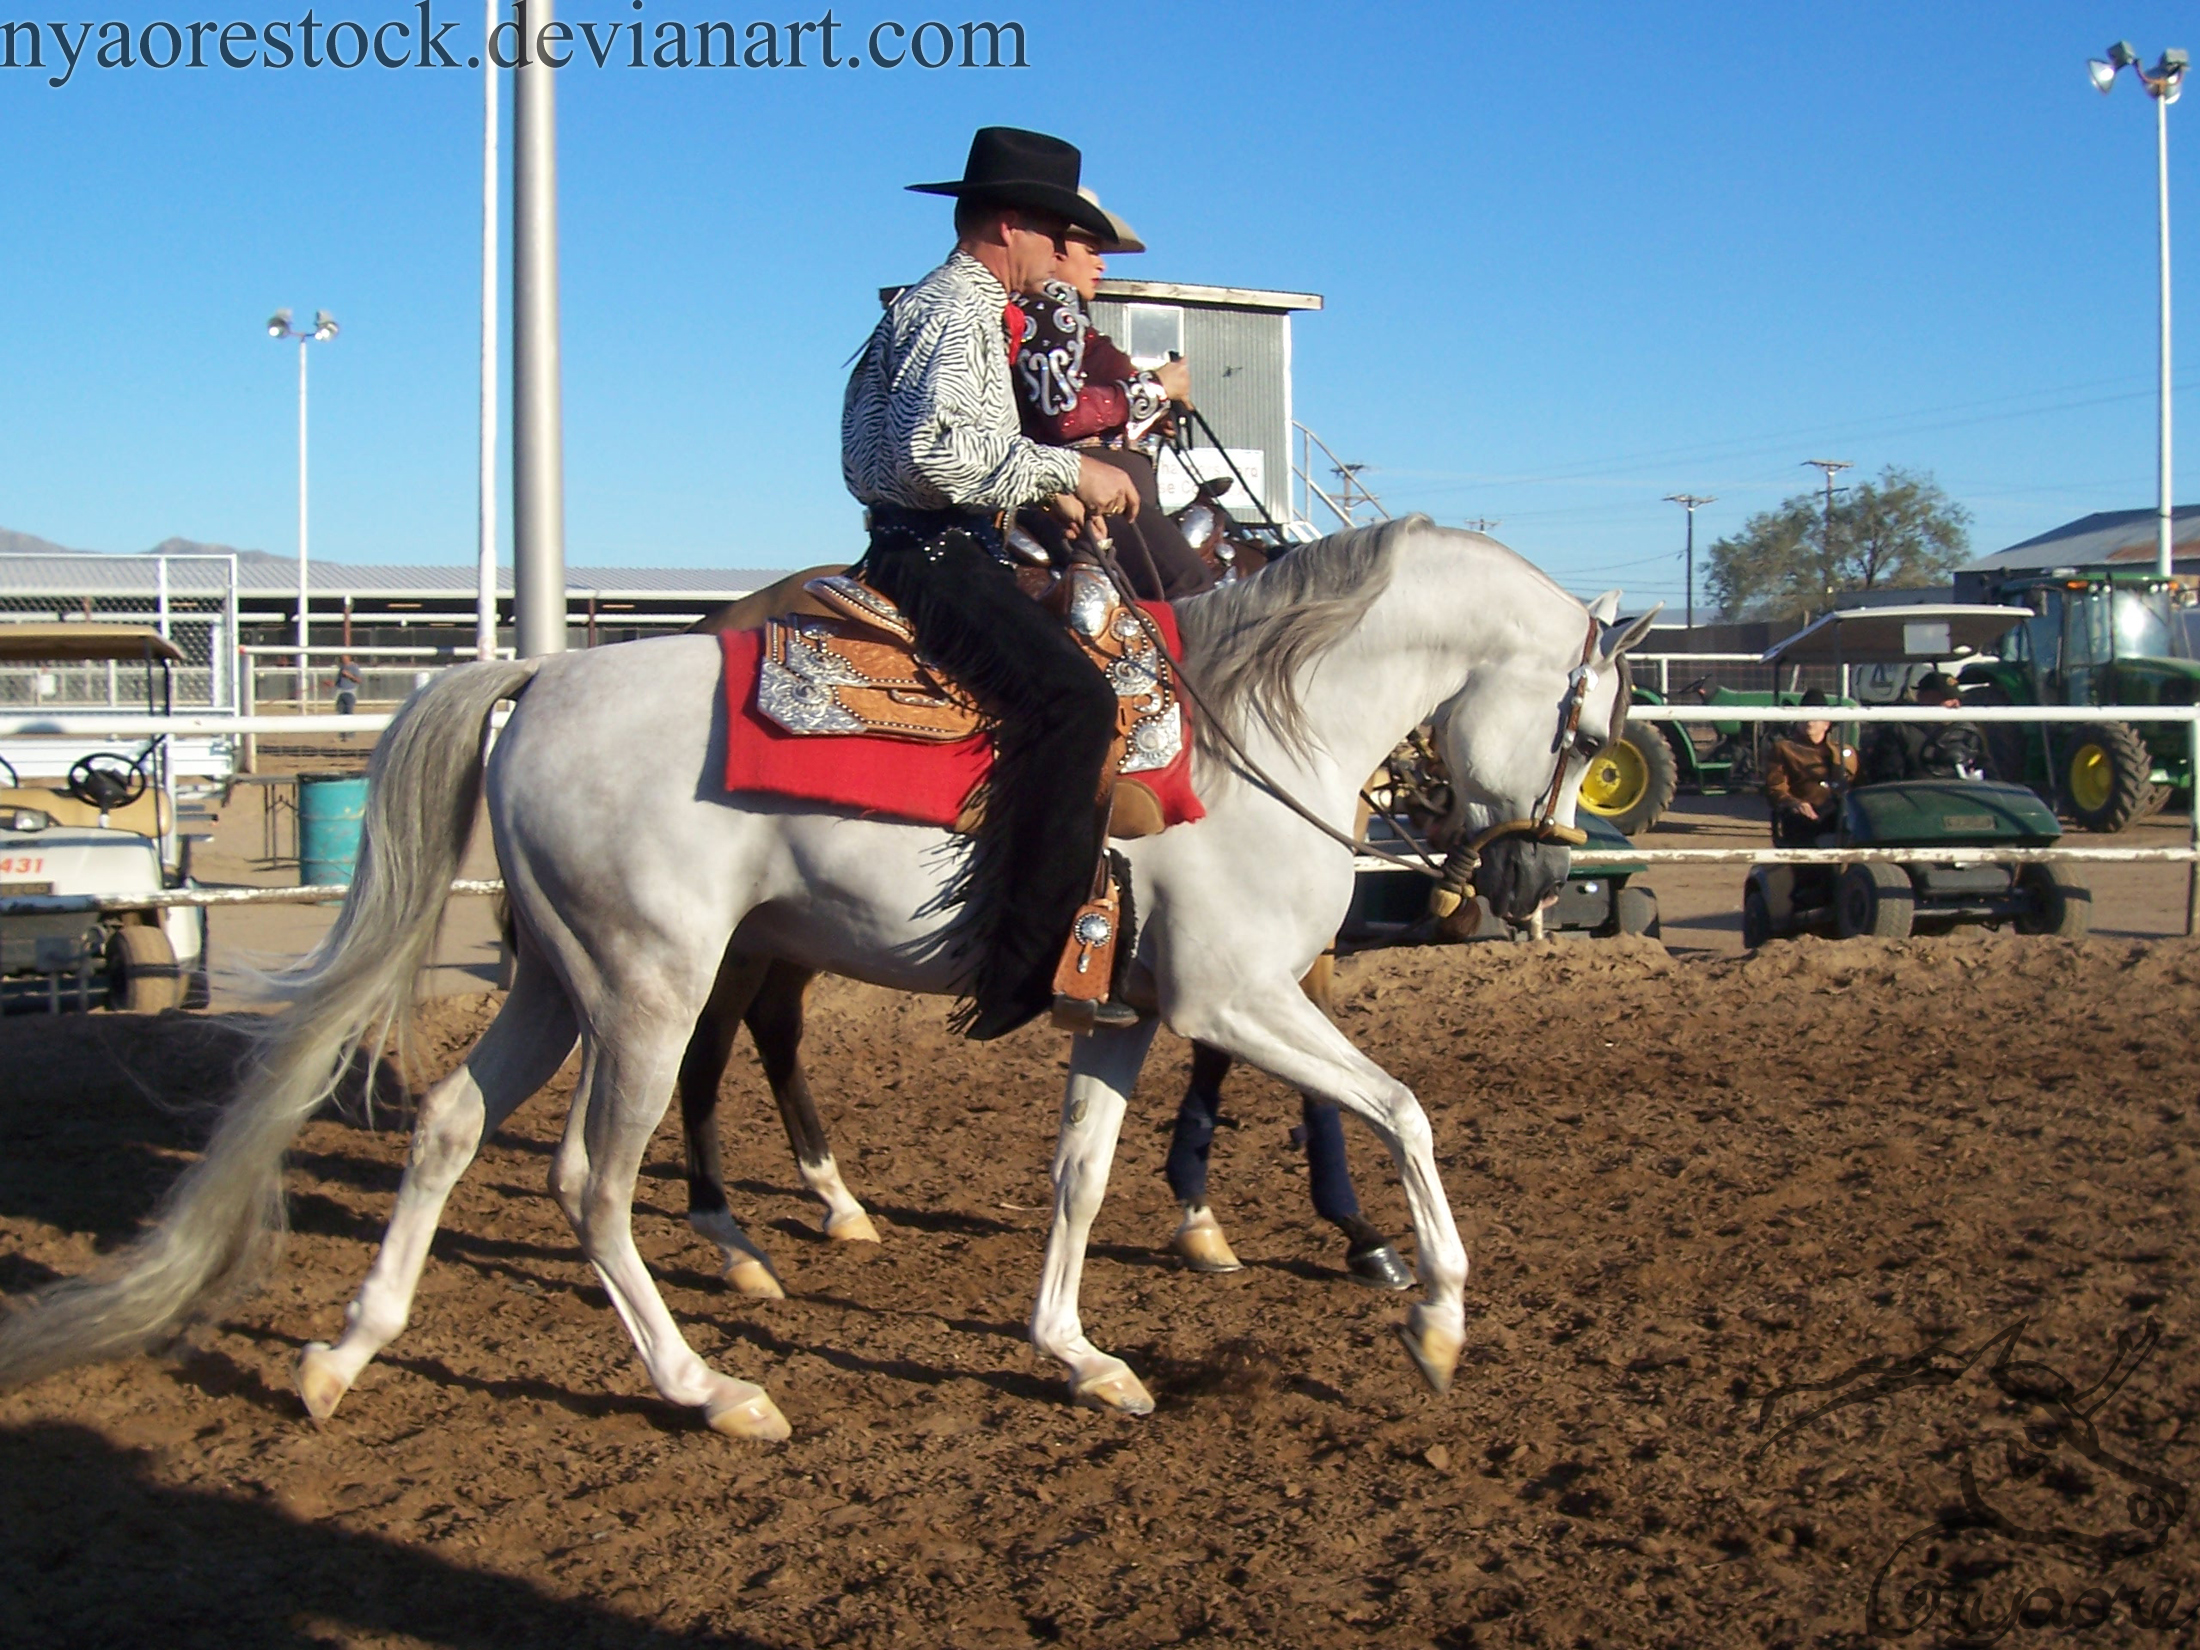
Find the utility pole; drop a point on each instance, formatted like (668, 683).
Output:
(1691, 503)
(1832, 467)
(1483, 524)
(538, 431)
(2163, 85)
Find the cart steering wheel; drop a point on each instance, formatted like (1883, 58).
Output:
(106, 781)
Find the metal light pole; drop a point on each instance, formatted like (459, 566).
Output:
(538, 441)
(1691, 503)
(2163, 85)
(324, 329)
(485, 591)
(1832, 467)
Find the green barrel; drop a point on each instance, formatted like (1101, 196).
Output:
(331, 807)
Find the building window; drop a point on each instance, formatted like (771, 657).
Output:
(1156, 333)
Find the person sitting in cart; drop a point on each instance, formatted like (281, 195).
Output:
(1804, 775)
(1076, 388)
(1896, 751)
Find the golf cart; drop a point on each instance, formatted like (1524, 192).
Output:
(102, 823)
(1390, 904)
(1890, 900)
(2092, 638)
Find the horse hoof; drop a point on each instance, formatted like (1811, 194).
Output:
(1203, 1248)
(1381, 1267)
(319, 1383)
(753, 1277)
(747, 1412)
(855, 1228)
(1116, 1393)
(1435, 1349)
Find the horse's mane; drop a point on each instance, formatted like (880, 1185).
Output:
(1246, 644)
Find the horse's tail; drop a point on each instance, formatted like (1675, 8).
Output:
(221, 1220)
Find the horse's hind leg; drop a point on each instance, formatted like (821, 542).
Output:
(702, 1068)
(521, 1051)
(775, 1022)
(629, 1076)
(1199, 1240)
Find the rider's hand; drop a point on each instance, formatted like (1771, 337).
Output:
(1176, 380)
(1103, 489)
(1069, 508)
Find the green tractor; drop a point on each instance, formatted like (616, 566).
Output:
(1635, 778)
(2091, 638)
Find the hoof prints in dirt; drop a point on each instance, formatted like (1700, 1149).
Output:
(1684, 1188)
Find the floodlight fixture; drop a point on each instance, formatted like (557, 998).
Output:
(278, 324)
(2104, 75)
(2122, 56)
(324, 326)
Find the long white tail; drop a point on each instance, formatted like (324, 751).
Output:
(220, 1221)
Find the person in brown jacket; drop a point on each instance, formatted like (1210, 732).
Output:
(1802, 778)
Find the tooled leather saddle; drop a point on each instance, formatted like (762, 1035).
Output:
(854, 668)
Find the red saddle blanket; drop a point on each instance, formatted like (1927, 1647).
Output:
(925, 782)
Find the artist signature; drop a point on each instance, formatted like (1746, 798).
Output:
(1986, 1541)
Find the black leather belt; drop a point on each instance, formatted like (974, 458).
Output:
(896, 528)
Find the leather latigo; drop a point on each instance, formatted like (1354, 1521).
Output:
(859, 672)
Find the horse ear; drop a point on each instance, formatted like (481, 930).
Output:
(1605, 608)
(1617, 642)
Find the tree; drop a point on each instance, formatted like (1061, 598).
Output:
(1788, 562)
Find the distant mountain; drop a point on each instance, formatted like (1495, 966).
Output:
(30, 544)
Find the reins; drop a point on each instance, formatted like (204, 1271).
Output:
(1454, 877)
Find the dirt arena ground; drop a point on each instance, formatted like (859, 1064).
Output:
(1685, 1185)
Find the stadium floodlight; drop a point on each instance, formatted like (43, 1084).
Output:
(2104, 75)
(324, 329)
(278, 324)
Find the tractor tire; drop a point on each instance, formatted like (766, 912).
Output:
(142, 976)
(1756, 919)
(1632, 780)
(2107, 775)
(2060, 906)
(1875, 900)
(1638, 911)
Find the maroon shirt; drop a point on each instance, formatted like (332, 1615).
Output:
(1073, 384)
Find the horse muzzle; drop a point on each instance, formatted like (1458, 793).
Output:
(1518, 866)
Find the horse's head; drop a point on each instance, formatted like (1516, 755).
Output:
(1517, 759)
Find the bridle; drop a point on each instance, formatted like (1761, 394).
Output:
(1455, 878)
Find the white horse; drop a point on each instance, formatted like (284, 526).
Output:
(631, 870)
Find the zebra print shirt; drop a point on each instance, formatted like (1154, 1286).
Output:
(929, 422)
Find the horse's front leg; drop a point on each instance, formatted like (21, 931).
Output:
(1103, 1066)
(1288, 1037)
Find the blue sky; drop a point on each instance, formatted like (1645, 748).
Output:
(1575, 258)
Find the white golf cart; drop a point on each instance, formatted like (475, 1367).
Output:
(94, 820)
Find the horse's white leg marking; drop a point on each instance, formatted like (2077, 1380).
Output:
(845, 1220)
(1103, 1066)
(1200, 1243)
(630, 1084)
(1292, 1040)
(521, 1051)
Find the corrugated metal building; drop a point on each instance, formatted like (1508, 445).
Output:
(2119, 539)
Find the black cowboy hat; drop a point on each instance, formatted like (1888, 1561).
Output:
(1012, 167)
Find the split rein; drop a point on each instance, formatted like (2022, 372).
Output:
(1454, 876)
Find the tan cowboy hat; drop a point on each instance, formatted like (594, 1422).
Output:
(1121, 236)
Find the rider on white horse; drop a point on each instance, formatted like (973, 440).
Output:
(930, 441)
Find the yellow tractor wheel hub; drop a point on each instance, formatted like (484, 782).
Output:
(2092, 778)
(1616, 781)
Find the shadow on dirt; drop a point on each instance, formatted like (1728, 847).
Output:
(99, 1553)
